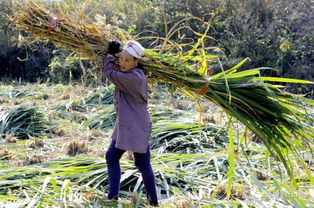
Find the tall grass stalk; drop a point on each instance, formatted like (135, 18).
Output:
(231, 157)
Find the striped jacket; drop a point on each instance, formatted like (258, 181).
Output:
(133, 126)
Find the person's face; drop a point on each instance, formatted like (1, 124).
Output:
(127, 61)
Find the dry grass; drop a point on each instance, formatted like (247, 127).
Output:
(89, 40)
(10, 139)
(54, 115)
(129, 156)
(90, 196)
(33, 159)
(5, 101)
(5, 155)
(97, 134)
(18, 102)
(75, 148)
(58, 132)
(177, 200)
(65, 96)
(35, 142)
(221, 193)
(262, 176)
(78, 117)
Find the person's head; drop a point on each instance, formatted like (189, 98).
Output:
(130, 55)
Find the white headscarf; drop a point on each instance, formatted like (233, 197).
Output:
(134, 48)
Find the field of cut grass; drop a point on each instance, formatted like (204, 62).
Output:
(54, 138)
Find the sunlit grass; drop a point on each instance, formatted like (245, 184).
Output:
(226, 167)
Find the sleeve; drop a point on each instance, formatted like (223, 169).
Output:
(128, 82)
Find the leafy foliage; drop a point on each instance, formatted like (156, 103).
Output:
(64, 67)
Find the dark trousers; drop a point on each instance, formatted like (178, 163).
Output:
(142, 162)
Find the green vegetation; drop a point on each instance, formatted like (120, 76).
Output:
(255, 150)
(23, 122)
(191, 163)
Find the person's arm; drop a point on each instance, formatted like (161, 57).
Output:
(126, 81)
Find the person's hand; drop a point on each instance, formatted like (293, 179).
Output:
(113, 47)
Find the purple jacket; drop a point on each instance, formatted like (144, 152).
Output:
(133, 126)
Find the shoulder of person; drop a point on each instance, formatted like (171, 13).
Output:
(138, 72)
(109, 58)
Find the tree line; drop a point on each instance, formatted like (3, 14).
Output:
(272, 33)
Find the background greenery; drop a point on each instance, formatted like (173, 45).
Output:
(274, 33)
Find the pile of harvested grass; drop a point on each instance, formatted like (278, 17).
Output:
(76, 147)
(23, 122)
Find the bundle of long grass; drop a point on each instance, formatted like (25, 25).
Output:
(103, 119)
(23, 122)
(278, 118)
(104, 96)
(186, 137)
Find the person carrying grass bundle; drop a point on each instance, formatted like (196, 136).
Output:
(133, 126)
